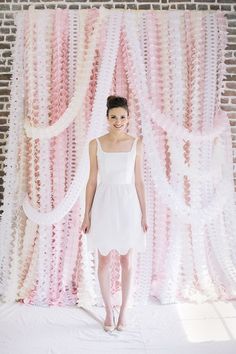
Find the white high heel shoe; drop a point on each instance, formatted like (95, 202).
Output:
(121, 327)
(110, 327)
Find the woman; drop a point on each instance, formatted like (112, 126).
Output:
(115, 215)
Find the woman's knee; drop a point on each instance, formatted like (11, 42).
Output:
(104, 261)
(126, 260)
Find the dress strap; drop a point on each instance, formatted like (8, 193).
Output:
(98, 144)
(134, 144)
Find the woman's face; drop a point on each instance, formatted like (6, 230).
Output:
(117, 119)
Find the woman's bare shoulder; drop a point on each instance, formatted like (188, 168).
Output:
(131, 138)
(102, 137)
(93, 144)
(139, 138)
(139, 143)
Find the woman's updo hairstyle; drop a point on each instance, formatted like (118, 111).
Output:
(117, 101)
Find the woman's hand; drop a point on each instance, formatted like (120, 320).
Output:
(86, 224)
(144, 223)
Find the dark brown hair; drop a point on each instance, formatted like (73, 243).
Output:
(117, 101)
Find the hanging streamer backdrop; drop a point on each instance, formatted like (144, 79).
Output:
(170, 66)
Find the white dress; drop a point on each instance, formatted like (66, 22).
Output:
(115, 212)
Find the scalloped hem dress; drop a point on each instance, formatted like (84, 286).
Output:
(115, 212)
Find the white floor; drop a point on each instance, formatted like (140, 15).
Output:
(208, 328)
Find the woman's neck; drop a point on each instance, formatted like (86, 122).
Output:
(116, 136)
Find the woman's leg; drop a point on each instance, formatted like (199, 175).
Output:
(126, 281)
(104, 280)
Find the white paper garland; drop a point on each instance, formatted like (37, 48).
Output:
(166, 191)
(75, 104)
(75, 189)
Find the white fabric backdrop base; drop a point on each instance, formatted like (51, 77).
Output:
(208, 328)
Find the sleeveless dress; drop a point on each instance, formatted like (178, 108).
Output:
(115, 212)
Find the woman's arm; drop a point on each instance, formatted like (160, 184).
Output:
(139, 184)
(92, 180)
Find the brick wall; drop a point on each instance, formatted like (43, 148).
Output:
(8, 30)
